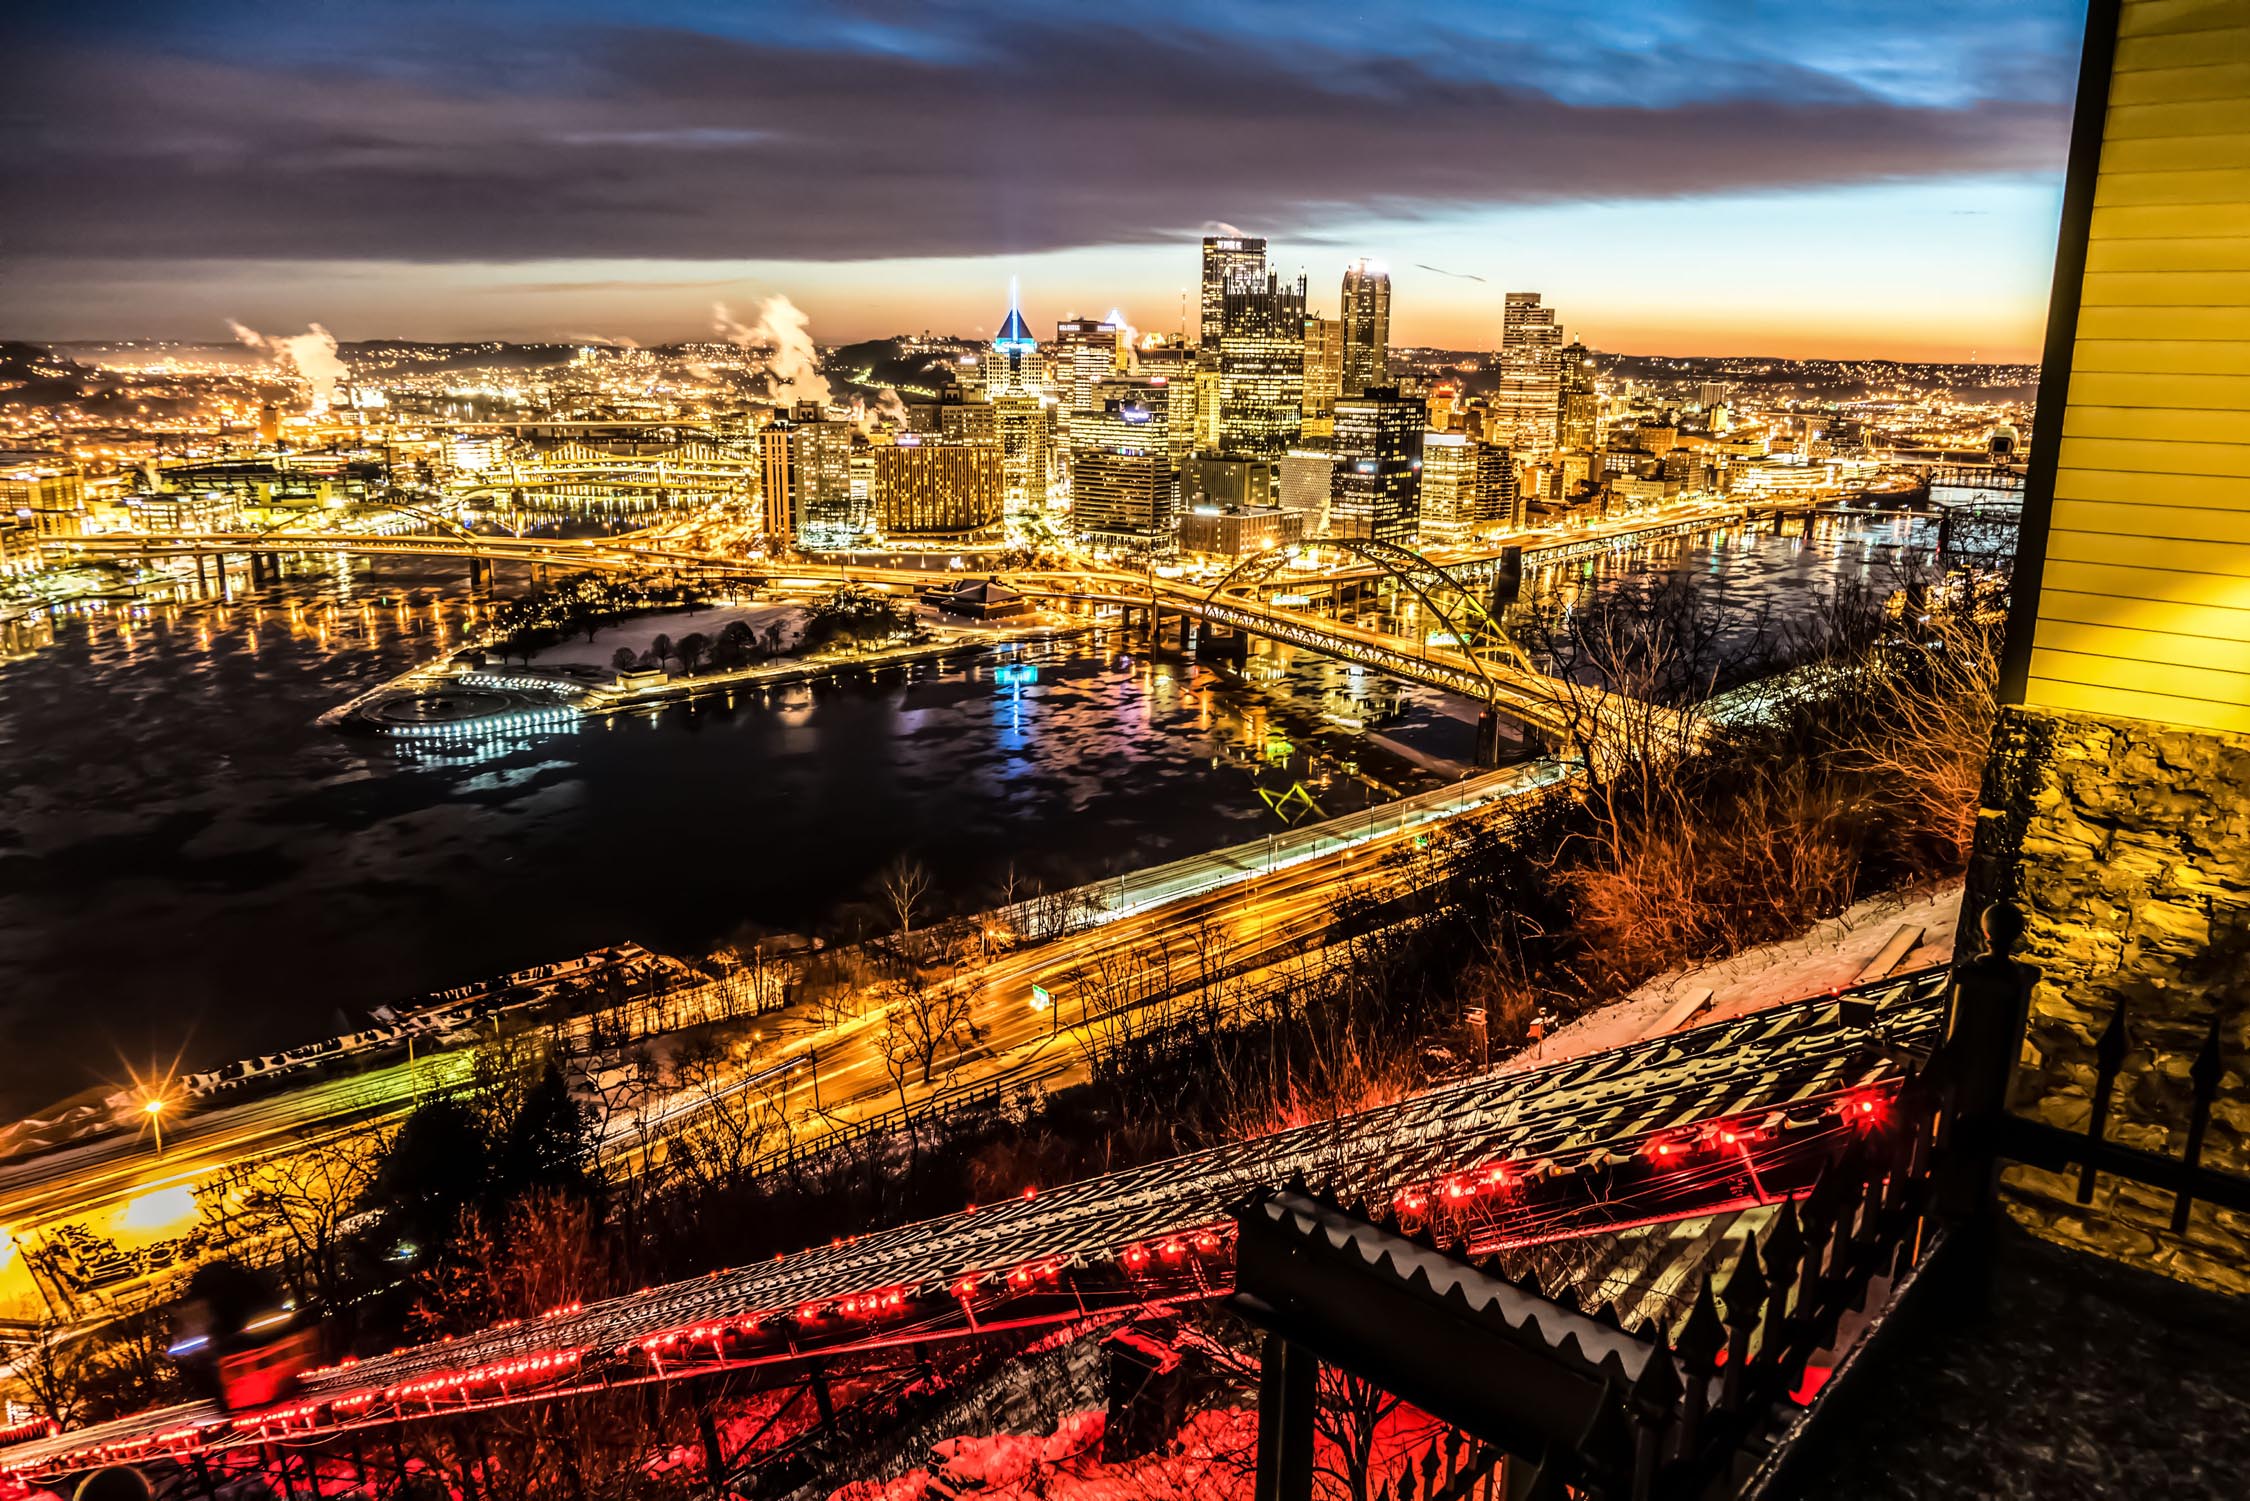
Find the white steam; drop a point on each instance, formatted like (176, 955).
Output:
(311, 354)
(1131, 336)
(1221, 227)
(792, 363)
(887, 408)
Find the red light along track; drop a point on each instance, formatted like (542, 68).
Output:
(1738, 1111)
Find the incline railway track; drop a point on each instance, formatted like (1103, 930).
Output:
(1738, 1112)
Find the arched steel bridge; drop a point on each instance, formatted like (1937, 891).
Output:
(1479, 662)
(1652, 1133)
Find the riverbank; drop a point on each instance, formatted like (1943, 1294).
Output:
(464, 696)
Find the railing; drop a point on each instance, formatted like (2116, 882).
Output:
(1721, 1404)
(2185, 1176)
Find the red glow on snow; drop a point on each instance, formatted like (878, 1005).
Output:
(1816, 1377)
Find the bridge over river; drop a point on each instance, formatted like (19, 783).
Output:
(1469, 656)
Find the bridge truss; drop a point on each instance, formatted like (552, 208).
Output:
(1736, 1113)
(1480, 660)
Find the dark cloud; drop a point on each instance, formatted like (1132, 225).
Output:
(609, 142)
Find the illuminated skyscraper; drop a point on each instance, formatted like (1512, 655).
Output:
(1448, 501)
(1086, 354)
(1581, 408)
(929, 487)
(1528, 399)
(1122, 484)
(1324, 372)
(1231, 263)
(1173, 403)
(777, 485)
(1025, 424)
(1376, 489)
(1467, 486)
(828, 514)
(1367, 327)
(1011, 365)
(1261, 389)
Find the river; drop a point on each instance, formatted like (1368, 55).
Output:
(190, 869)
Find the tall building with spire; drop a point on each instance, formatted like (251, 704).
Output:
(1367, 327)
(1011, 365)
(1023, 413)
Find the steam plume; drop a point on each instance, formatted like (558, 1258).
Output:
(792, 363)
(312, 355)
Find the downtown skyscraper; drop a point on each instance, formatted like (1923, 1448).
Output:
(1581, 407)
(1231, 263)
(1376, 489)
(1324, 373)
(1527, 402)
(1260, 389)
(1367, 327)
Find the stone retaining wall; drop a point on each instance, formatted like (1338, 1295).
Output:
(2126, 844)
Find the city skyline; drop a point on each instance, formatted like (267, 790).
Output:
(1682, 183)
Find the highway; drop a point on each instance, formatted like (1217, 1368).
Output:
(1631, 1136)
(1221, 927)
(1233, 913)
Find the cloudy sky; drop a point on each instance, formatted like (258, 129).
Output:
(1697, 176)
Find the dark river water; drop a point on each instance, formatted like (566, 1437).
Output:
(189, 866)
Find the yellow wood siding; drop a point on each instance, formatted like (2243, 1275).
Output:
(2144, 604)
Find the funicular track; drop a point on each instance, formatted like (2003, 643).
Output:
(1737, 1112)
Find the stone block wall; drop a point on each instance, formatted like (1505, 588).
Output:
(2126, 845)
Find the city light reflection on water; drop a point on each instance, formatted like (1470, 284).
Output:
(189, 859)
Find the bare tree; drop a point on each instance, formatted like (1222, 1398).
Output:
(547, 1251)
(294, 1208)
(50, 1373)
(921, 1020)
(735, 1124)
(1925, 706)
(1350, 1414)
(904, 884)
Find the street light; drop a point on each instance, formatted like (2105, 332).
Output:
(154, 1108)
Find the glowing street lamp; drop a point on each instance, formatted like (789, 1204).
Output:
(154, 1107)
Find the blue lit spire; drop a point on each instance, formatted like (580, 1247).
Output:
(1013, 330)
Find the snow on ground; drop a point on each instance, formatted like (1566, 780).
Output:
(640, 630)
(1832, 955)
(1211, 1458)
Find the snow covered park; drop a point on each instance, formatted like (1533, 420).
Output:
(640, 631)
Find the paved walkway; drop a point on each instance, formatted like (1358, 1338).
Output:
(2084, 1379)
